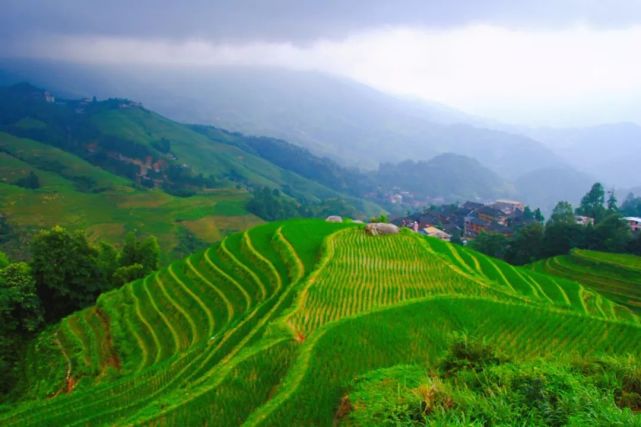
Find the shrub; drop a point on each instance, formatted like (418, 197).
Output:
(469, 353)
(475, 386)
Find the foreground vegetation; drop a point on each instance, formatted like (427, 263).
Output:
(273, 326)
(66, 274)
(472, 385)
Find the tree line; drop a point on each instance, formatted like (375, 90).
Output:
(562, 232)
(66, 273)
(272, 204)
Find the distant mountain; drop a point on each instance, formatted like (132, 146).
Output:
(611, 152)
(349, 122)
(444, 178)
(129, 140)
(545, 187)
(352, 124)
(448, 177)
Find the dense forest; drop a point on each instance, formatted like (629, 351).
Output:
(66, 273)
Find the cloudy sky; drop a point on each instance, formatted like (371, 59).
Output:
(533, 62)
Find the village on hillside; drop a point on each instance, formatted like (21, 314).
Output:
(467, 221)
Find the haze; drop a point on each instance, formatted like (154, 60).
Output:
(535, 63)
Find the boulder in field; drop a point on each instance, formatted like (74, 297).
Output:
(334, 218)
(380, 228)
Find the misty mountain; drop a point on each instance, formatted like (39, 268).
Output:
(611, 152)
(545, 187)
(451, 177)
(132, 142)
(347, 121)
(446, 177)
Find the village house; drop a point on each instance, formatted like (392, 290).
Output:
(471, 206)
(395, 199)
(469, 220)
(49, 98)
(475, 226)
(508, 207)
(584, 220)
(634, 223)
(437, 233)
(490, 214)
(489, 219)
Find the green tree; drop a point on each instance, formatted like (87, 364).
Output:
(381, 218)
(107, 263)
(538, 215)
(145, 252)
(492, 244)
(271, 205)
(456, 238)
(610, 235)
(527, 245)
(592, 203)
(21, 310)
(188, 243)
(128, 273)
(20, 316)
(560, 237)
(530, 215)
(563, 213)
(65, 271)
(4, 260)
(612, 202)
(561, 233)
(634, 245)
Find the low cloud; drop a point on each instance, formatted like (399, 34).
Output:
(297, 21)
(482, 69)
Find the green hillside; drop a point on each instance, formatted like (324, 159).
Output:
(216, 152)
(77, 194)
(129, 140)
(616, 276)
(270, 326)
(110, 167)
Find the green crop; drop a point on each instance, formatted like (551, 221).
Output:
(270, 326)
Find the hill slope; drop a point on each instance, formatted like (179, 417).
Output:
(446, 177)
(77, 194)
(267, 327)
(330, 116)
(113, 166)
(131, 141)
(616, 276)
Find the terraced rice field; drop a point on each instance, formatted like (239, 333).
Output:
(268, 326)
(418, 332)
(359, 273)
(534, 286)
(615, 276)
